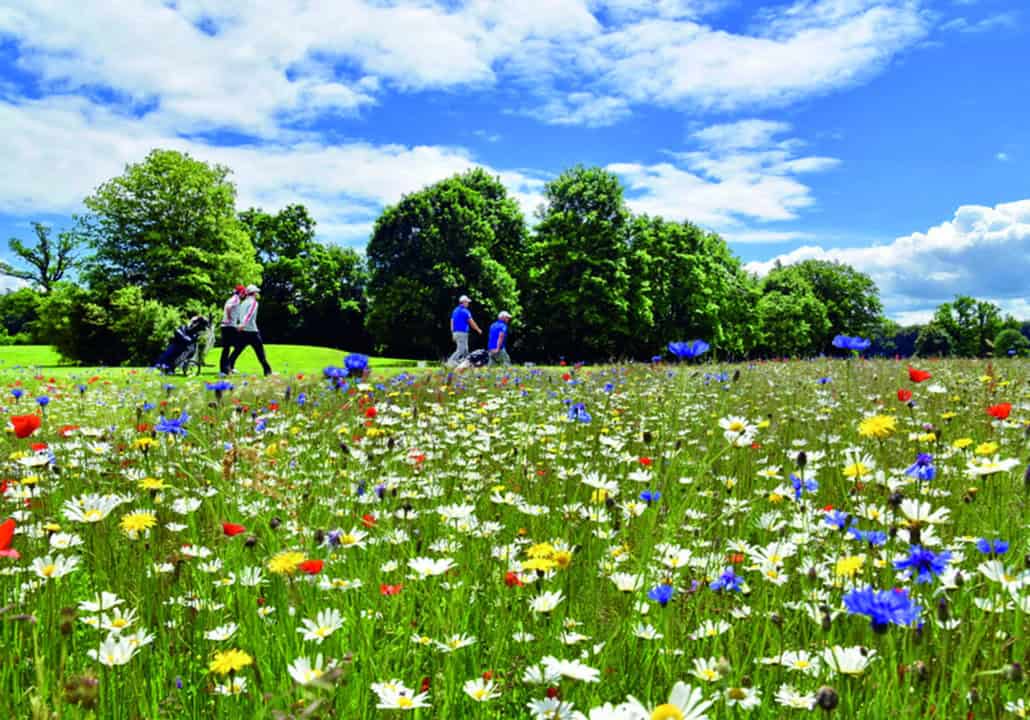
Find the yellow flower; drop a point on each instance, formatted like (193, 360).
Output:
(230, 661)
(52, 527)
(137, 522)
(949, 415)
(775, 497)
(987, 448)
(962, 443)
(152, 484)
(857, 470)
(849, 566)
(539, 563)
(143, 443)
(286, 562)
(544, 550)
(878, 426)
(598, 496)
(563, 558)
(927, 437)
(30, 480)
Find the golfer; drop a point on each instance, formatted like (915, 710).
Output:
(498, 339)
(461, 320)
(229, 333)
(247, 329)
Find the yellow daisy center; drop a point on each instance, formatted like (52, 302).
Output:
(667, 712)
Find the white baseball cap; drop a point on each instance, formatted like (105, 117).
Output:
(253, 289)
(504, 315)
(464, 298)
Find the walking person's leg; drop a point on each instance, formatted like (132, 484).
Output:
(228, 345)
(461, 341)
(239, 345)
(504, 357)
(259, 349)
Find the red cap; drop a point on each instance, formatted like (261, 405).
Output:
(240, 288)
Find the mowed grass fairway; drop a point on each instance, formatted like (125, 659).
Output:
(285, 359)
(644, 541)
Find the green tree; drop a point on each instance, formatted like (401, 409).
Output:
(452, 238)
(168, 225)
(582, 300)
(311, 293)
(790, 323)
(972, 324)
(19, 311)
(851, 298)
(692, 287)
(935, 340)
(1011, 342)
(49, 260)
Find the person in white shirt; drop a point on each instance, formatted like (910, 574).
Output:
(230, 336)
(247, 329)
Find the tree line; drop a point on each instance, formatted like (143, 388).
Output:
(588, 280)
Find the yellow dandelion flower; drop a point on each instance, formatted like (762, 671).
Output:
(150, 483)
(286, 562)
(539, 563)
(541, 550)
(136, 522)
(143, 443)
(962, 443)
(878, 426)
(857, 470)
(849, 566)
(563, 558)
(987, 448)
(230, 661)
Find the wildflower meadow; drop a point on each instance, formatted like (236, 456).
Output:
(664, 541)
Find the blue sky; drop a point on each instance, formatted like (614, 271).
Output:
(890, 134)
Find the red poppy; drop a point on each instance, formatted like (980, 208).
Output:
(553, 692)
(426, 682)
(736, 558)
(512, 580)
(39, 447)
(368, 520)
(918, 376)
(904, 395)
(566, 377)
(1000, 411)
(312, 567)
(25, 425)
(488, 675)
(272, 407)
(388, 590)
(232, 529)
(646, 461)
(143, 427)
(6, 535)
(370, 412)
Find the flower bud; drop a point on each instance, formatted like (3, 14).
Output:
(1014, 672)
(827, 698)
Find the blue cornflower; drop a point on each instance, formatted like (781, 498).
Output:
(661, 594)
(873, 537)
(81, 388)
(579, 413)
(802, 486)
(925, 563)
(650, 496)
(260, 425)
(729, 580)
(922, 468)
(220, 386)
(302, 398)
(334, 373)
(884, 607)
(147, 406)
(608, 388)
(837, 519)
(845, 342)
(688, 350)
(824, 380)
(987, 547)
(173, 426)
(356, 363)
(43, 400)
(334, 537)
(362, 487)
(380, 491)
(17, 393)
(656, 359)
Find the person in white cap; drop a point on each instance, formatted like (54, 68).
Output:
(247, 330)
(498, 340)
(461, 320)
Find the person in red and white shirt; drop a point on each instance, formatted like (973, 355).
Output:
(247, 330)
(230, 335)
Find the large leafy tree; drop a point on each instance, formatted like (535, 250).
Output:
(850, 297)
(971, 324)
(791, 322)
(461, 235)
(48, 260)
(168, 226)
(310, 293)
(583, 301)
(693, 286)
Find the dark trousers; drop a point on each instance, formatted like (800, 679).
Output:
(251, 339)
(230, 338)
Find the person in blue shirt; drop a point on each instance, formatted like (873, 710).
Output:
(498, 340)
(461, 320)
